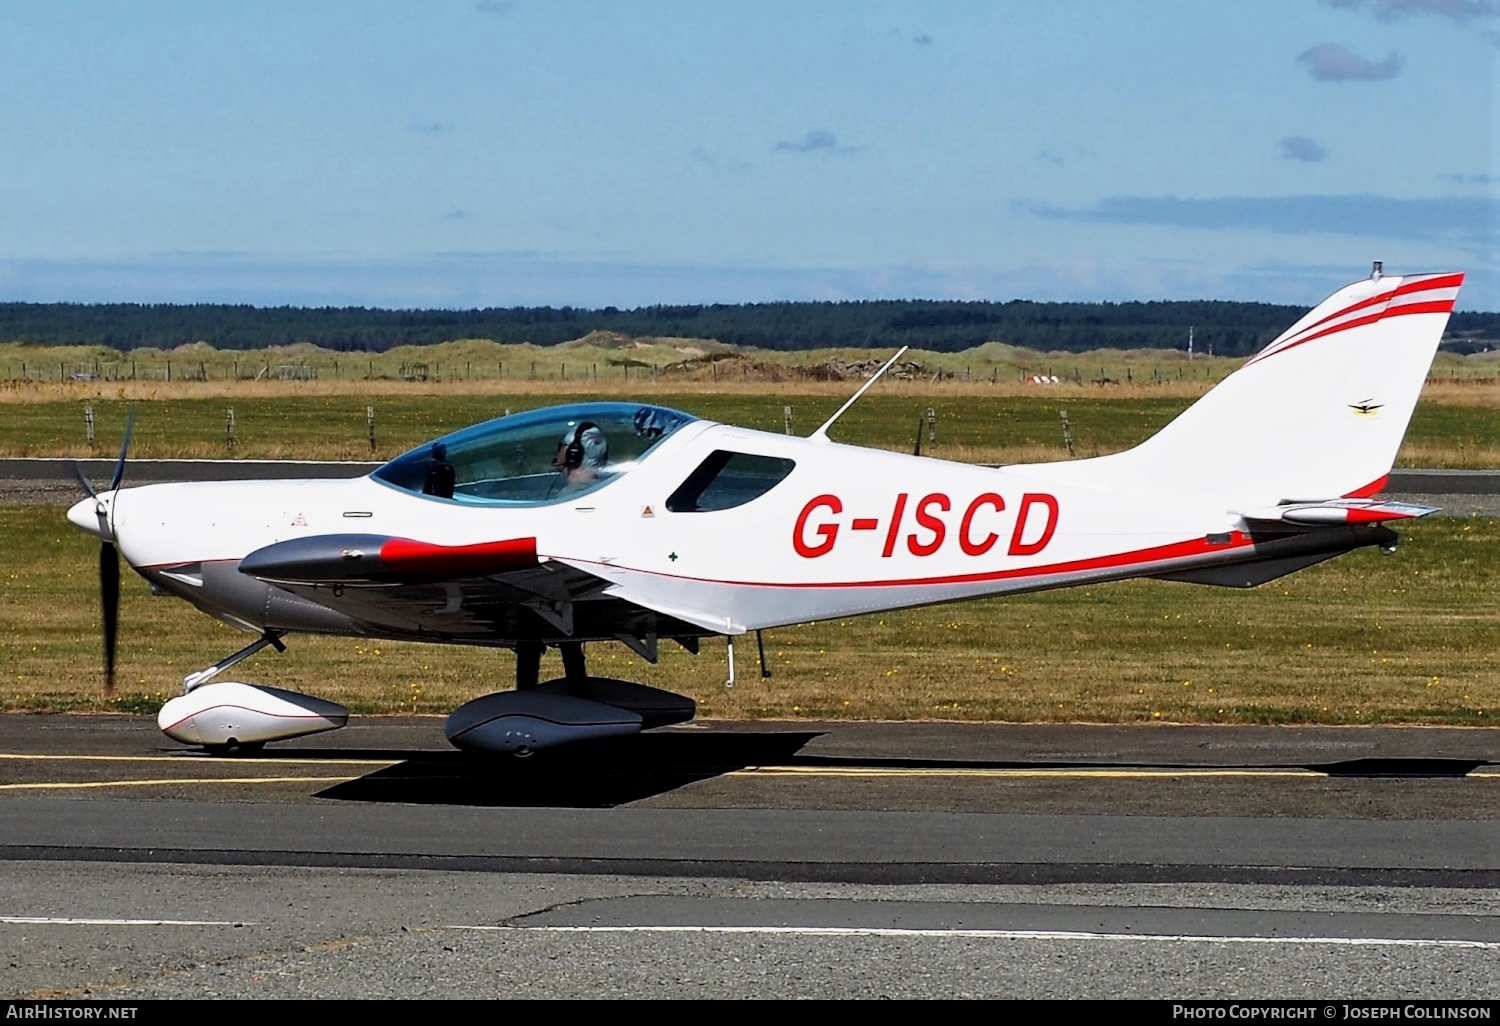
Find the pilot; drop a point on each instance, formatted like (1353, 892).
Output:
(581, 456)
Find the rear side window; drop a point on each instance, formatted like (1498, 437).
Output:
(728, 479)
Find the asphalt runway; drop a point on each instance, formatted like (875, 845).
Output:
(773, 860)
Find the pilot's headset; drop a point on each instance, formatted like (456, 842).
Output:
(584, 445)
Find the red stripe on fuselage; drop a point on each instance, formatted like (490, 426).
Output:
(1120, 560)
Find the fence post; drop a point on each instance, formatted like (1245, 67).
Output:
(88, 422)
(370, 421)
(787, 413)
(229, 429)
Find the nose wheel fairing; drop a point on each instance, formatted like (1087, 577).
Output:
(230, 714)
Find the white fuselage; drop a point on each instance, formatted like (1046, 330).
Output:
(850, 530)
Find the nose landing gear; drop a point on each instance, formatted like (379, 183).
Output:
(234, 718)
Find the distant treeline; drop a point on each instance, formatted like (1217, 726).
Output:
(1229, 329)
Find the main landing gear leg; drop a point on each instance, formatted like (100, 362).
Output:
(574, 670)
(528, 664)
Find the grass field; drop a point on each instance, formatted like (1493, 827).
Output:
(968, 424)
(1362, 639)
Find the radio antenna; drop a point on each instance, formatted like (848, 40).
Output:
(821, 435)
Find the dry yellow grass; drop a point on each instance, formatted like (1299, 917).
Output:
(35, 392)
(656, 367)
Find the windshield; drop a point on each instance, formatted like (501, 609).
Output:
(536, 457)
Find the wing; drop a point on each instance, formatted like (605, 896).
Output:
(493, 593)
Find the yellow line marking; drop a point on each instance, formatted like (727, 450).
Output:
(188, 756)
(71, 921)
(90, 784)
(896, 771)
(1102, 772)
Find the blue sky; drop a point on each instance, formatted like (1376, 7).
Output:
(462, 153)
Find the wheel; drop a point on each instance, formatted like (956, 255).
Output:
(234, 747)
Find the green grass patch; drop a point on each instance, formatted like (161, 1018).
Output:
(1362, 639)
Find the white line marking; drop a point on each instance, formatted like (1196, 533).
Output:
(67, 921)
(1062, 935)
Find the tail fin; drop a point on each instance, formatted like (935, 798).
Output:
(1317, 414)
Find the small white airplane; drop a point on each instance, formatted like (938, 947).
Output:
(634, 523)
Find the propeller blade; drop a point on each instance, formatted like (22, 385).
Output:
(109, 595)
(114, 482)
(88, 486)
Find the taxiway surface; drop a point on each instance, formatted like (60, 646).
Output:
(777, 859)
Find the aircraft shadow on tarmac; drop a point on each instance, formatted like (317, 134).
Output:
(618, 771)
(600, 774)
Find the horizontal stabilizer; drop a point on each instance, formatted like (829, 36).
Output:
(1339, 511)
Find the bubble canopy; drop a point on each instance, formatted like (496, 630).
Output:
(534, 458)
